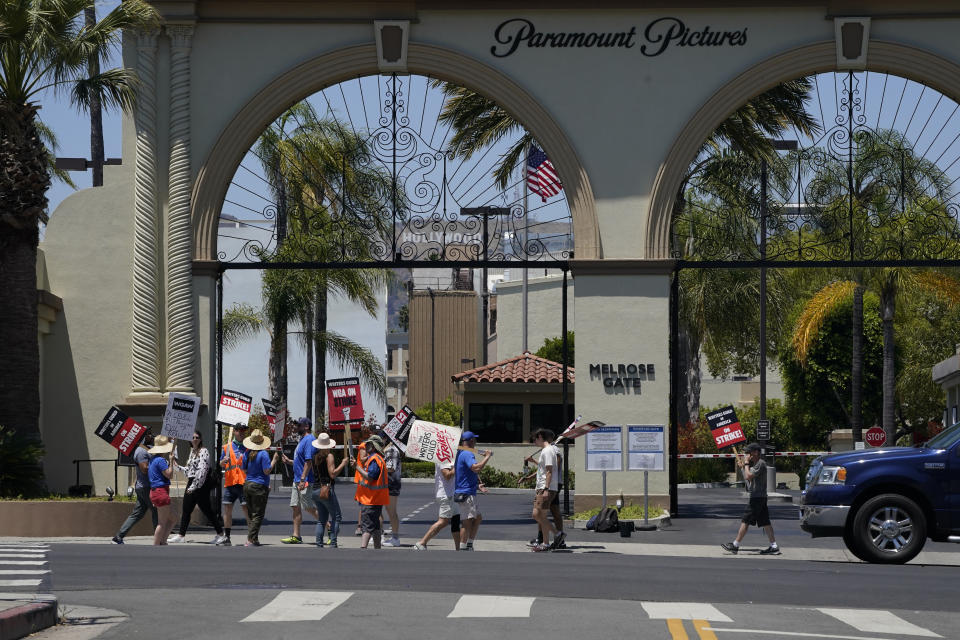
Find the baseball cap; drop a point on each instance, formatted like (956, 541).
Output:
(468, 435)
(753, 446)
(305, 422)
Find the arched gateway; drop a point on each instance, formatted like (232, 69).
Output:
(620, 99)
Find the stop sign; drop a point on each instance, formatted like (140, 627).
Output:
(875, 437)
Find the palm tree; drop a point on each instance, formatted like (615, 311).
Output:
(44, 44)
(892, 196)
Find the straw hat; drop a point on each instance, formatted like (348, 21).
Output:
(161, 444)
(376, 442)
(324, 441)
(256, 441)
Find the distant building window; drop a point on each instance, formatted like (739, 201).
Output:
(549, 416)
(390, 359)
(497, 422)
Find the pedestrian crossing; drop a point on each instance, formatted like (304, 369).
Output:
(24, 568)
(679, 620)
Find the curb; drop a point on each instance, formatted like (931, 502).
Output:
(21, 621)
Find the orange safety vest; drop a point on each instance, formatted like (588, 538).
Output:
(373, 493)
(234, 473)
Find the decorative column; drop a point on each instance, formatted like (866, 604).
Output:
(181, 329)
(146, 339)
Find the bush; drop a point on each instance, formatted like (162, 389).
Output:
(694, 437)
(21, 471)
(417, 469)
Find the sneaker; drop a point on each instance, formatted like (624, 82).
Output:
(729, 546)
(320, 545)
(220, 539)
(224, 542)
(175, 539)
(534, 542)
(292, 540)
(469, 547)
(558, 542)
(419, 547)
(770, 551)
(252, 544)
(541, 547)
(116, 540)
(332, 545)
(391, 542)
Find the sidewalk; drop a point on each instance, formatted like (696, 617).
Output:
(22, 614)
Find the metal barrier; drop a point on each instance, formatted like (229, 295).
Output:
(788, 454)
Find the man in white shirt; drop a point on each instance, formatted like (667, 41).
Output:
(548, 477)
(444, 480)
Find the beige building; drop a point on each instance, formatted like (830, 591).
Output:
(643, 84)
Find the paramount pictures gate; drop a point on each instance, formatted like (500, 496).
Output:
(873, 190)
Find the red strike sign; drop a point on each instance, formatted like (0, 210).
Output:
(725, 427)
(875, 437)
(344, 402)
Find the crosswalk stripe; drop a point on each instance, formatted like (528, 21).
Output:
(23, 572)
(291, 606)
(32, 563)
(20, 583)
(878, 621)
(683, 611)
(24, 556)
(491, 607)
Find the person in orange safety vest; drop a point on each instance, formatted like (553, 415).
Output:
(231, 457)
(372, 491)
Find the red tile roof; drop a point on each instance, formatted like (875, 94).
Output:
(523, 368)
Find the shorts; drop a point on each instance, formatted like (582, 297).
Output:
(393, 484)
(233, 493)
(757, 512)
(543, 498)
(370, 517)
(445, 507)
(160, 497)
(301, 499)
(468, 508)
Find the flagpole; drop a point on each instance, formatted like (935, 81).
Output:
(523, 299)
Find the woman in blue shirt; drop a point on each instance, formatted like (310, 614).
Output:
(258, 465)
(159, 471)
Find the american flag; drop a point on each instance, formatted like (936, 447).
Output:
(542, 178)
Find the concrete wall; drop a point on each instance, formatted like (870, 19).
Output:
(544, 313)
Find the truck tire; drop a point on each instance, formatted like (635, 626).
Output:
(889, 529)
(852, 545)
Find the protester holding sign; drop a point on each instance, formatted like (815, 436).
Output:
(197, 494)
(258, 465)
(300, 500)
(391, 456)
(444, 479)
(755, 473)
(467, 482)
(231, 457)
(546, 491)
(160, 472)
(323, 493)
(372, 492)
(142, 489)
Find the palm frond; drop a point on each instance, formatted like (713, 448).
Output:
(353, 356)
(240, 323)
(814, 314)
(939, 284)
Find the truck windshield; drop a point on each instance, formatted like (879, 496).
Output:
(945, 439)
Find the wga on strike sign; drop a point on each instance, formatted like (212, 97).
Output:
(120, 431)
(725, 427)
(234, 407)
(344, 401)
(432, 442)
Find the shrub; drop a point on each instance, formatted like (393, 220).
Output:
(21, 471)
(694, 437)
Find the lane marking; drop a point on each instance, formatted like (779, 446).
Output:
(878, 621)
(703, 630)
(23, 572)
(410, 515)
(34, 563)
(19, 583)
(291, 606)
(492, 607)
(675, 627)
(24, 556)
(794, 634)
(683, 611)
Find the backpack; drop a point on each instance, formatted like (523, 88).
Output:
(592, 523)
(608, 521)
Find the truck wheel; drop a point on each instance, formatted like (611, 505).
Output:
(851, 543)
(889, 529)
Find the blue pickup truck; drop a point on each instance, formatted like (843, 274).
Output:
(886, 502)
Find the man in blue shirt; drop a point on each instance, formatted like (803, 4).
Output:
(142, 488)
(300, 499)
(465, 490)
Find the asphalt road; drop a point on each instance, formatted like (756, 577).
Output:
(195, 590)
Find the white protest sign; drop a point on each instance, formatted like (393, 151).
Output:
(180, 418)
(234, 407)
(432, 442)
(399, 427)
